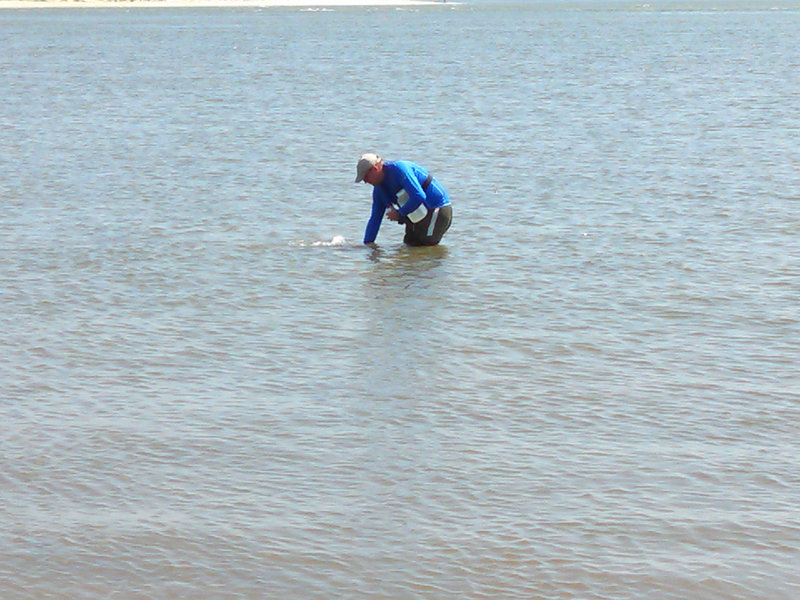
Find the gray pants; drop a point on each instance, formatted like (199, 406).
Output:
(429, 231)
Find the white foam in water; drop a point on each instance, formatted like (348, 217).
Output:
(337, 240)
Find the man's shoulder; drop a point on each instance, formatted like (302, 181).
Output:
(402, 166)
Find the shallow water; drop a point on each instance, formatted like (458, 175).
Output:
(211, 389)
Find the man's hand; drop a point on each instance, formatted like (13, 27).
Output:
(393, 215)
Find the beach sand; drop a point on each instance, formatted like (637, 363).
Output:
(205, 3)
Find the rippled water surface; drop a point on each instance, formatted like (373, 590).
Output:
(210, 389)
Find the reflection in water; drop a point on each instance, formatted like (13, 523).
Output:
(407, 267)
(407, 294)
(410, 253)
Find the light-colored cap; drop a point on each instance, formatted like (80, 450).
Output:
(365, 163)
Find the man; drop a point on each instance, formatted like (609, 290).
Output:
(405, 192)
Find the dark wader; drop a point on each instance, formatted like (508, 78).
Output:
(429, 231)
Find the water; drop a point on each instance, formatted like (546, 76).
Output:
(211, 389)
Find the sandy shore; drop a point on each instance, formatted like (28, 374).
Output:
(204, 3)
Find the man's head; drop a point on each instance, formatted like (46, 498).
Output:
(369, 169)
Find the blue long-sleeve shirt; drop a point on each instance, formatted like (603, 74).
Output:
(402, 175)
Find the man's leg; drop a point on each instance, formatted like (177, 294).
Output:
(429, 231)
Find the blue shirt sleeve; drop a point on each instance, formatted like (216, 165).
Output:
(375, 218)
